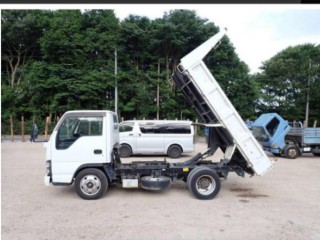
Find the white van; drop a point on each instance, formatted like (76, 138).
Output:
(171, 137)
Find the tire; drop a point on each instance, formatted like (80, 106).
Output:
(155, 183)
(125, 151)
(316, 154)
(204, 183)
(174, 151)
(291, 152)
(91, 183)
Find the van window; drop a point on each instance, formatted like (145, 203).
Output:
(178, 128)
(168, 128)
(127, 127)
(149, 129)
(74, 127)
(272, 126)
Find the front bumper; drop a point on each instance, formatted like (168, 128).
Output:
(272, 150)
(47, 180)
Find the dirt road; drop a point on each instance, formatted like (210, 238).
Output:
(282, 204)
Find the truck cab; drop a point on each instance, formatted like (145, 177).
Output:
(280, 137)
(270, 130)
(80, 139)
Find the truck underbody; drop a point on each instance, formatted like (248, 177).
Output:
(202, 176)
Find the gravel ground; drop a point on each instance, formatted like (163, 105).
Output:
(282, 204)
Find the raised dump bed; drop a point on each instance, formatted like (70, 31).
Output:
(204, 93)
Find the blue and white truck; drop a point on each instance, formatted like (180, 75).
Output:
(277, 136)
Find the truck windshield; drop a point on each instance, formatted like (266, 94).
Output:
(260, 134)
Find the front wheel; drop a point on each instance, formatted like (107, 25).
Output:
(291, 152)
(203, 183)
(125, 151)
(91, 183)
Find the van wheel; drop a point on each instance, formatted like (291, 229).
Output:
(125, 151)
(174, 151)
(91, 183)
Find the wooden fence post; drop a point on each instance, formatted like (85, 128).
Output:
(46, 128)
(11, 128)
(315, 123)
(22, 128)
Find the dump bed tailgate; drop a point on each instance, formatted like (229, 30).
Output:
(195, 72)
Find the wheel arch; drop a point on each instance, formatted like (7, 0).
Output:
(91, 165)
(290, 140)
(126, 144)
(174, 144)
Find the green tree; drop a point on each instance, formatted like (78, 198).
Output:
(81, 47)
(284, 82)
(20, 34)
(70, 63)
(20, 31)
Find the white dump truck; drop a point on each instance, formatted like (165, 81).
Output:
(83, 147)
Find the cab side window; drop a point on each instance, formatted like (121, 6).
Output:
(73, 128)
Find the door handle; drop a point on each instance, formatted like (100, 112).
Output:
(130, 134)
(97, 151)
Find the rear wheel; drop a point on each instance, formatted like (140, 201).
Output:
(91, 183)
(204, 183)
(125, 151)
(291, 152)
(174, 151)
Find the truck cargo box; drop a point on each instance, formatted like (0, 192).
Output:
(213, 106)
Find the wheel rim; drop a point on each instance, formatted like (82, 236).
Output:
(292, 152)
(90, 185)
(205, 185)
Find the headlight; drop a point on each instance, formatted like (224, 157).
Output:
(273, 145)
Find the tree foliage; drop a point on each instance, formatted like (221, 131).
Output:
(286, 80)
(54, 61)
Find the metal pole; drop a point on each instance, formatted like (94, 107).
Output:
(308, 97)
(158, 92)
(116, 83)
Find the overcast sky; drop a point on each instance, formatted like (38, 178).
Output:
(257, 31)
